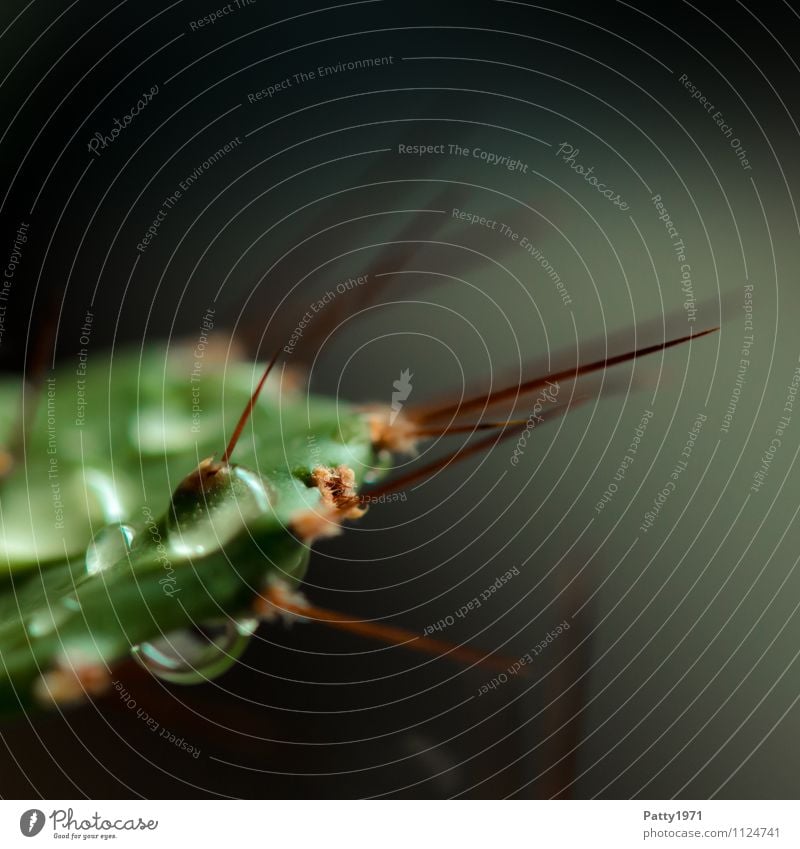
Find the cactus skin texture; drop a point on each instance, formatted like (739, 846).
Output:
(203, 554)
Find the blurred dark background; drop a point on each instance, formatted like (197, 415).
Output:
(678, 675)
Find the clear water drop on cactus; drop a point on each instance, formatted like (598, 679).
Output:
(108, 547)
(195, 655)
(206, 523)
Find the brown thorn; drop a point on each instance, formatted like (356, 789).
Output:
(457, 456)
(435, 466)
(390, 634)
(249, 409)
(444, 430)
(566, 374)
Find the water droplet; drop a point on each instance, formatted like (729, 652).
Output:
(195, 655)
(108, 496)
(44, 622)
(199, 524)
(48, 619)
(109, 546)
(247, 627)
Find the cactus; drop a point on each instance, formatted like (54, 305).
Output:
(99, 560)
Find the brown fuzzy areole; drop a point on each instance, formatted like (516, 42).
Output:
(340, 501)
(338, 489)
(72, 680)
(390, 431)
(280, 603)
